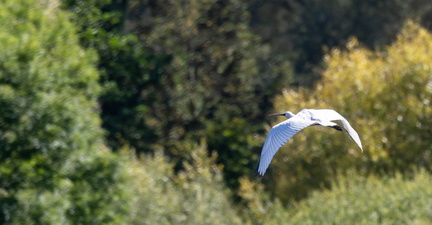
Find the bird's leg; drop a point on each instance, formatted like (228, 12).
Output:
(336, 127)
(328, 124)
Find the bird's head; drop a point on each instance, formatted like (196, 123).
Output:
(287, 114)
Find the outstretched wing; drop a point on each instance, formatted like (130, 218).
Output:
(277, 137)
(331, 115)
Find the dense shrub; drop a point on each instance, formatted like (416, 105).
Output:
(196, 195)
(352, 199)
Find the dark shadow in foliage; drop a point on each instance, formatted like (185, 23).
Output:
(219, 82)
(131, 74)
(301, 29)
(178, 72)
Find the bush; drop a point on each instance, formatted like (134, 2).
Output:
(355, 199)
(196, 195)
(352, 199)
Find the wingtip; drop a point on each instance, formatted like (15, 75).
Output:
(259, 173)
(259, 170)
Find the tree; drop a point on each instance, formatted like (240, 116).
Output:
(160, 91)
(385, 96)
(52, 163)
(130, 74)
(300, 30)
(212, 86)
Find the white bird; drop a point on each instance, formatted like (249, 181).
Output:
(282, 132)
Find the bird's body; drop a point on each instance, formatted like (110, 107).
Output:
(285, 130)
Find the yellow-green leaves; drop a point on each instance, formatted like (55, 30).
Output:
(196, 195)
(386, 97)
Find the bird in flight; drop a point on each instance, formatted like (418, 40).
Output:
(282, 132)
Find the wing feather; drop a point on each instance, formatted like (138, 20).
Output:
(331, 115)
(277, 137)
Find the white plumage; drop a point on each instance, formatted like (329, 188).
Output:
(285, 130)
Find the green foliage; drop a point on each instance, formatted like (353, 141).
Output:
(96, 17)
(132, 82)
(130, 76)
(51, 163)
(385, 96)
(258, 207)
(214, 84)
(352, 199)
(178, 71)
(196, 195)
(301, 30)
(174, 73)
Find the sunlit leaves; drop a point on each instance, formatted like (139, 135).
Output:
(354, 199)
(385, 95)
(52, 167)
(196, 195)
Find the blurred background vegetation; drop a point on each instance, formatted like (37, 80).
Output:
(153, 112)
